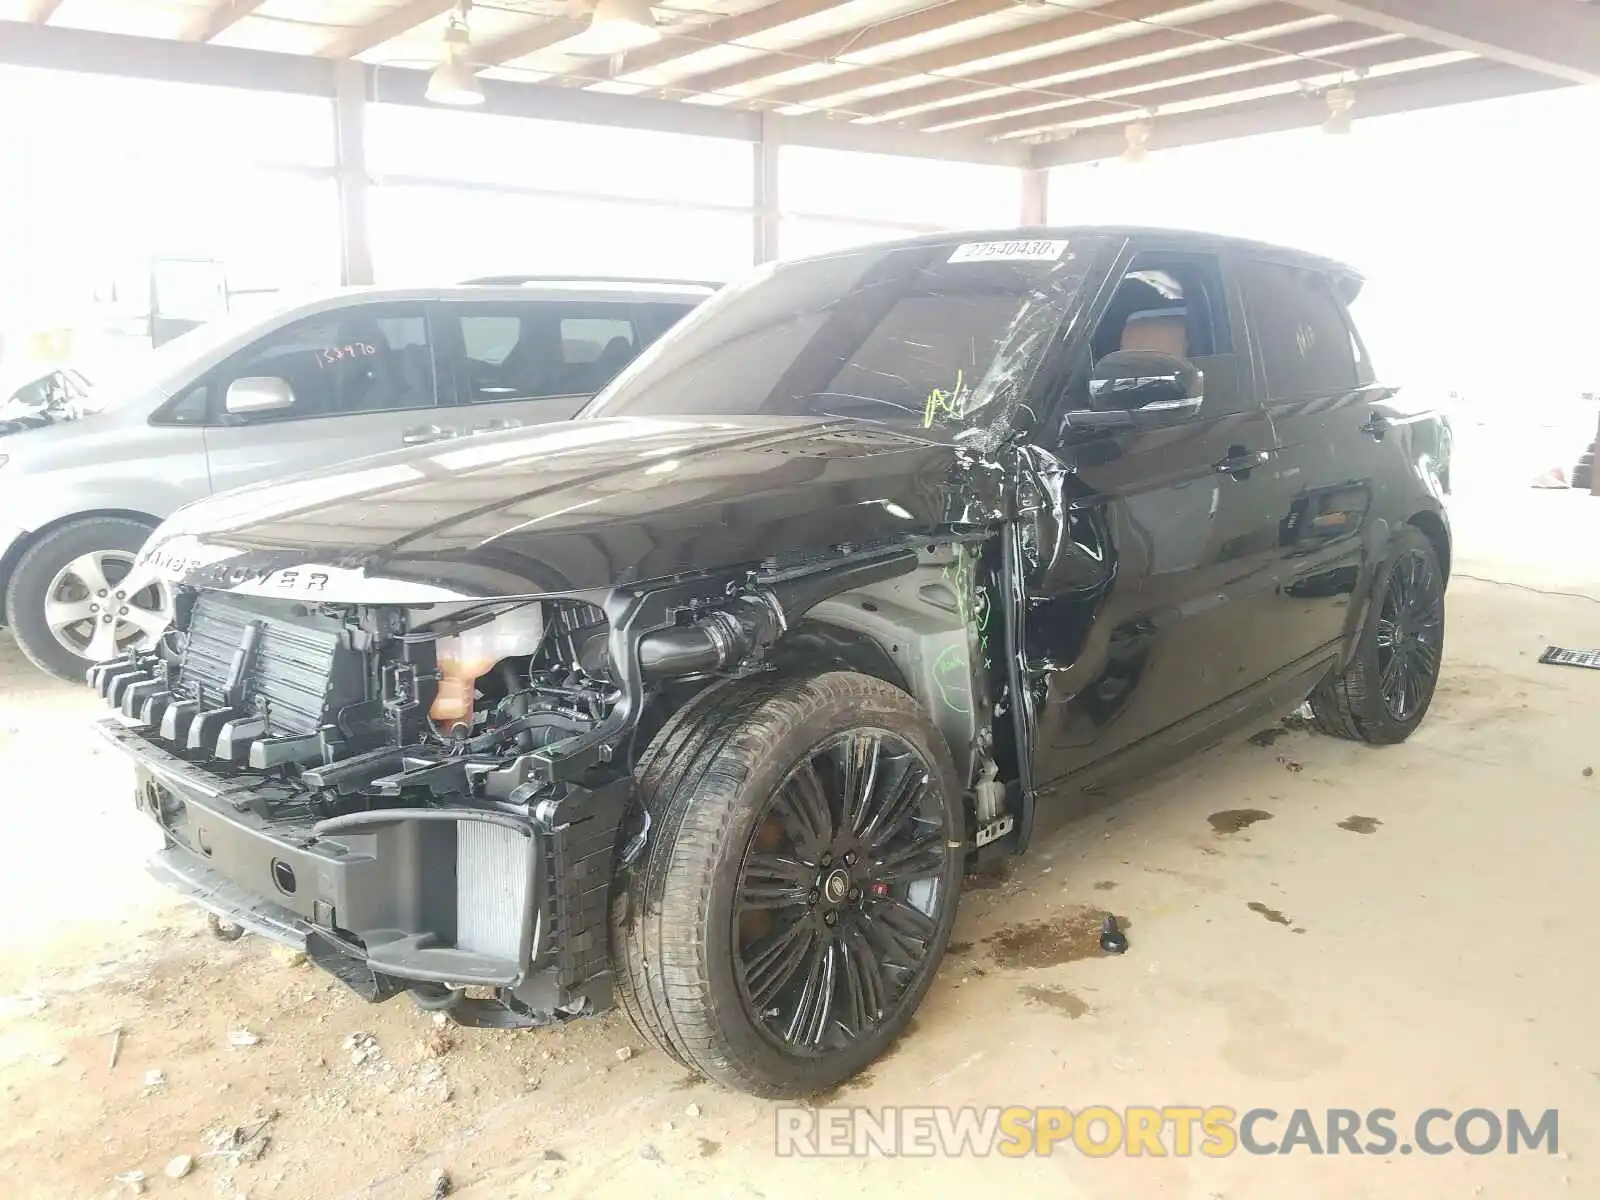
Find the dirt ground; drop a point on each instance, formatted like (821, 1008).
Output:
(1404, 928)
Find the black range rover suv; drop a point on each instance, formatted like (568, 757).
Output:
(703, 701)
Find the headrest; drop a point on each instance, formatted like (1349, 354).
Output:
(1163, 330)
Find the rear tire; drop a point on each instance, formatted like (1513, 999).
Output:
(1383, 693)
(60, 577)
(760, 894)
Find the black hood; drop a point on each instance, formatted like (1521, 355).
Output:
(574, 507)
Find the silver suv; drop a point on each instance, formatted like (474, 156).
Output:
(249, 397)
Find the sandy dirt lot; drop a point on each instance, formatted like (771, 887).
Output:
(1403, 928)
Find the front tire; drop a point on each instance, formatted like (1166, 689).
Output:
(800, 881)
(1383, 693)
(65, 604)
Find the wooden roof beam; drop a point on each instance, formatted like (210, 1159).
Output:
(1454, 83)
(1036, 35)
(1199, 36)
(530, 40)
(726, 32)
(1553, 37)
(907, 25)
(392, 24)
(1223, 57)
(219, 18)
(1132, 104)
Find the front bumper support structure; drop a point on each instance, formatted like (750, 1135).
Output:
(435, 898)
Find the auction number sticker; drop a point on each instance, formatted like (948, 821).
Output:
(1032, 251)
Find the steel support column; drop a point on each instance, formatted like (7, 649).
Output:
(766, 216)
(1035, 196)
(350, 164)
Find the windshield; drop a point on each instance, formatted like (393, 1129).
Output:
(945, 335)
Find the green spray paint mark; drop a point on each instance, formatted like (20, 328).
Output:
(942, 403)
(950, 677)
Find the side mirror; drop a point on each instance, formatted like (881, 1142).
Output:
(1141, 388)
(258, 393)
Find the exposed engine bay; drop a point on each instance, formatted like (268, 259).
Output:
(353, 706)
(436, 797)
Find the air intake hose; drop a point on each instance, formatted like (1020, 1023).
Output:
(730, 633)
(716, 640)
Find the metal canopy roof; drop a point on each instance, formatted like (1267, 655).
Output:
(1034, 83)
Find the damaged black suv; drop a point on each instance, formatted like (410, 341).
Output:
(703, 702)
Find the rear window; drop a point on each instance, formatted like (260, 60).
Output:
(584, 339)
(661, 316)
(1307, 348)
(541, 348)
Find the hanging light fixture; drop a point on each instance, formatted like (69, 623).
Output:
(1340, 101)
(616, 26)
(1138, 135)
(453, 81)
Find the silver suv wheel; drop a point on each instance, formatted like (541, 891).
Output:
(90, 612)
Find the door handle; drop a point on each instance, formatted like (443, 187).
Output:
(494, 426)
(420, 435)
(1376, 427)
(1240, 462)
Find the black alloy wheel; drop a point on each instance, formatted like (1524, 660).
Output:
(799, 883)
(1410, 633)
(1382, 693)
(840, 892)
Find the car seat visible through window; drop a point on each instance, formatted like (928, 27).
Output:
(616, 355)
(1159, 330)
(533, 365)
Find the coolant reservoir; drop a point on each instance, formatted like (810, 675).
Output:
(466, 656)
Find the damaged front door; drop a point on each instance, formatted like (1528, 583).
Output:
(1152, 534)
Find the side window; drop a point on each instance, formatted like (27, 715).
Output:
(357, 360)
(488, 340)
(659, 317)
(548, 348)
(1305, 341)
(585, 339)
(188, 409)
(1169, 304)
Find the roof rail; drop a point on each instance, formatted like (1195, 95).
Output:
(518, 280)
